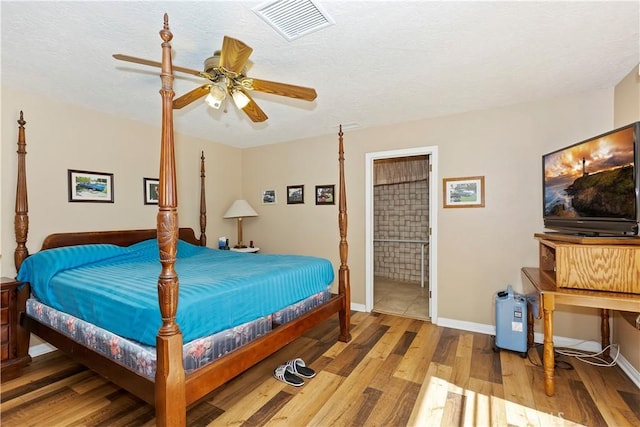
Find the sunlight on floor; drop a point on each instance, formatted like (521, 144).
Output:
(442, 403)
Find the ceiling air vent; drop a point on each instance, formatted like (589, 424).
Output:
(293, 18)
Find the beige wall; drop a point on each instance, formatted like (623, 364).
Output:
(627, 110)
(61, 137)
(480, 251)
(626, 105)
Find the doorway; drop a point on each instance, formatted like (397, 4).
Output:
(401, 200)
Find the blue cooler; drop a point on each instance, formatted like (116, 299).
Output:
(511, 322)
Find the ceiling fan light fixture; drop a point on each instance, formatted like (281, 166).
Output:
(217, 94)
(240, 98)
(226, 78)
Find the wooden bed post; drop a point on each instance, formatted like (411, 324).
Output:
(170, 396)
(21, 230)
(203, 205)
(21, 220)
(344, 279)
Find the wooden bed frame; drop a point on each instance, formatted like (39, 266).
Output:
(173, 390)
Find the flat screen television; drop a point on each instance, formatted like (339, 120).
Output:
(592, 188)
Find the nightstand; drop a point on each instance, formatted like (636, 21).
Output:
(11, 363)
(246, 250)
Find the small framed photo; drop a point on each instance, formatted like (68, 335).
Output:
(85, 186)
(268, 197)
(295, 194)
(466, 192)
(150, 190)
(324, 194)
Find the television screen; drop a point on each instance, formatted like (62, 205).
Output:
(594, 180)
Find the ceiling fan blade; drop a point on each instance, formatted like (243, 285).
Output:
(133, 59)
(252, 110)
(234, 54)
(191, 96)
(282, 89)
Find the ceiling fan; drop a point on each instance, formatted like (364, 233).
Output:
(226, 73)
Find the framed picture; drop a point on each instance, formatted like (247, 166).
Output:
(295, 194)
(150, 190)
(268, 197)
(324, 194)
(466, 192)
(85, 186)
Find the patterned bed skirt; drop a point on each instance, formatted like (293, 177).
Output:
(142, 358)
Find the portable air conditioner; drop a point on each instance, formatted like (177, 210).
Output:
(511, 322)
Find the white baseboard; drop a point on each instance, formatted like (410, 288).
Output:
(573, 343)
(628, 369)
(357, 307)
(466, 326)
(592, 346)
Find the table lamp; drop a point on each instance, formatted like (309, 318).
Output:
(240, 209)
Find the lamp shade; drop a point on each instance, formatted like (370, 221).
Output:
(240, 209)
(216, 95)
(240, 99)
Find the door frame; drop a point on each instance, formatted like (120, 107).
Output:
(432, 152)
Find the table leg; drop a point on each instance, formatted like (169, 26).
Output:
(604, 331)
(548, 361)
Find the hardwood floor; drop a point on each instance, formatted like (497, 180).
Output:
(395, 372)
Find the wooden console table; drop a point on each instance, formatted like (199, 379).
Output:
(536, 283)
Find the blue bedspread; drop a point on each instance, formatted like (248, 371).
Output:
(116, 287)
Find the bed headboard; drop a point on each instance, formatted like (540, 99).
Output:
(120, 238)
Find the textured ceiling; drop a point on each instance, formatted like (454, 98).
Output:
(381, 63)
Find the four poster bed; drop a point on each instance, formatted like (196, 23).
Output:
(167, 359)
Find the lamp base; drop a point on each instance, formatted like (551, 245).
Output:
(239, 247)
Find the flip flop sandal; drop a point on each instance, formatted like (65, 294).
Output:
(298, 367)
(281, 373)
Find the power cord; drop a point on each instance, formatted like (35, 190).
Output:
(593, 358)
(589, 358)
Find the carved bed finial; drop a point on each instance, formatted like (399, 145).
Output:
(21, 219)
(165, 33)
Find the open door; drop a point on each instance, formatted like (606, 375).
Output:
(401, 200)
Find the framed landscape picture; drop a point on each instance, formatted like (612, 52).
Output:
(268, 197)
(324, 194)
(85, 186)
(295, 194)
(466, 192)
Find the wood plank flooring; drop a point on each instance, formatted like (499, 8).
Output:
(395, 372)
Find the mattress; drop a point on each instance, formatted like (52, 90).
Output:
(141, 358)
(115, 288)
